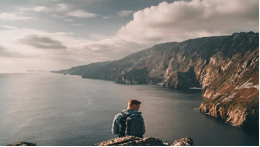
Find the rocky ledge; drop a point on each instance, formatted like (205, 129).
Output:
(22, 144)
(147, 141)
(128, 141)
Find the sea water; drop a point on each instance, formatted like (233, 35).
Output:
(55, 109)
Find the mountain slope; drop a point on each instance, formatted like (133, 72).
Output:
(226, 67)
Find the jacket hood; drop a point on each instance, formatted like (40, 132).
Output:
(131, 112)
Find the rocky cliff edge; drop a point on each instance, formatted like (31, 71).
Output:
(129, 141)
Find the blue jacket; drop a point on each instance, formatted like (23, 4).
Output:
(116, 125)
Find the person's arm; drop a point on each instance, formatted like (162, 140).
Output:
(143, 125)
(115, 127)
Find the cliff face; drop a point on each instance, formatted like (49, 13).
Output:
(226, 67)
(234, 94)
(91, 69)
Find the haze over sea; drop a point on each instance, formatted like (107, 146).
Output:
(55, 109)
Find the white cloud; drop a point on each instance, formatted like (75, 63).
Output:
(125, 13)
(107, 17)
(62, 46)
(27, 41)
(77, 25)
(35, 9)
(184, 20)
(42, 42)
(9, 27)
(56, 16)
(69, 20)
(64, 33)
(176, 21)
(26, 47)
(99, 36)
(14, 16)
(81, 14)
(62, 7)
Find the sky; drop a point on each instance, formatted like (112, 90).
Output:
(59, 34)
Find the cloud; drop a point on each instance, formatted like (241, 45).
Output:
(182, 20)
(56, 16)
(69, 20)
(78, 25)
(42, 42)
(9, 27)
(175, 21)
(107, 17)
(35, 9)
(4, 52)
(125, 13)
(81, 14)
(32, 43)
(2, 48)
(14, 16)
(13, 51)
(99, 36)
(62, 7)
(109, 48)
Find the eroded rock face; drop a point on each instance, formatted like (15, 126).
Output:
(179, 80)
(147, 141)
(22, 144)
(236, 115)
(234, 94)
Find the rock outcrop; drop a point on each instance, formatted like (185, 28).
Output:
(22, 144)
(226, 67)
(128, 141)
(183, 142)
(147, 141)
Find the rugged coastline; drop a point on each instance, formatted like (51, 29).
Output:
(225, 67)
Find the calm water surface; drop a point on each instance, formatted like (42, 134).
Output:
(55, 109)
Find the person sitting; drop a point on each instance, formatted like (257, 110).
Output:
(129, 122)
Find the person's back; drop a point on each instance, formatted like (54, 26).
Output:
(130, 121)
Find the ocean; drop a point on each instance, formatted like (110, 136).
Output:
(55, 109)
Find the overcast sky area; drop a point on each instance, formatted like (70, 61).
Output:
(58, 34)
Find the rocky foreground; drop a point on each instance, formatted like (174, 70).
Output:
(147, 141)
(22, 144)
(128, 141)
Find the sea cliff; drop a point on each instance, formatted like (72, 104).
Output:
(225, 67)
